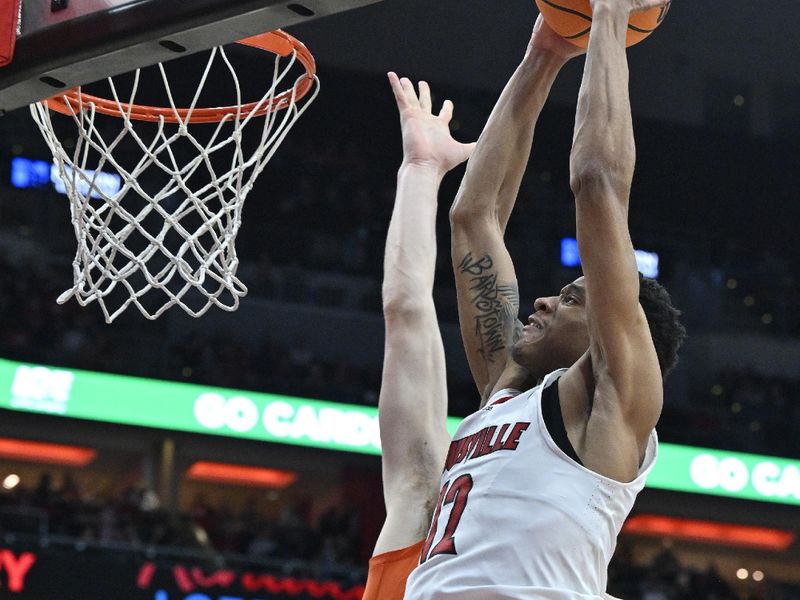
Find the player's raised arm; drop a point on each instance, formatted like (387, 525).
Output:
(488, 295)
(413, 399)
(628, 382)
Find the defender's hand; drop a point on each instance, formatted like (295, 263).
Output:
(546, 40)
(426, 137)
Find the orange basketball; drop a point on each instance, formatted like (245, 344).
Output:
(572, 19)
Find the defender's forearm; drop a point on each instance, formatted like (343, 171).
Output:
(498, 163)
(410, 259)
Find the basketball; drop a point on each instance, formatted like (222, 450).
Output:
(572, 19)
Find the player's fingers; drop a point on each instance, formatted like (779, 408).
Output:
(408, 90)
(397, 88)
(447, 111)
(648, 4)
(425, 96)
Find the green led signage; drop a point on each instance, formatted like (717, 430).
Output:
(333, 426)
(187, 407)
(722, 473)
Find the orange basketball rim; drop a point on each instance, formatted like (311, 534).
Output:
(278, 42)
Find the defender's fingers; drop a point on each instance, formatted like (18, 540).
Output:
(425, 96)
(408, 89)
(447, 111)
(397, 88)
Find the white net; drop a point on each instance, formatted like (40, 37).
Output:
(156, 207)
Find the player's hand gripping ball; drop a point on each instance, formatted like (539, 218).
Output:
(572, 20)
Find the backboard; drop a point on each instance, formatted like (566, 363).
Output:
(66, 43)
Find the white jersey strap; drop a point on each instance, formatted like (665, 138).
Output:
(503, 395)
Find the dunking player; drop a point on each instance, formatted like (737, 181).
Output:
(537, 484)
(413, 399)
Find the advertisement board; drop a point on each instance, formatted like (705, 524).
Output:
(335, 426)
(68, 573)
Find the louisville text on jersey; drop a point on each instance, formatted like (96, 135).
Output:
(487, 440)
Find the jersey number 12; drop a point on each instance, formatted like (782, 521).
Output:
(455, 493)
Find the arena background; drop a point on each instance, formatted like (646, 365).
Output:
(133, 516)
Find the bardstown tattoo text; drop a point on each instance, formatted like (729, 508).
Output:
(495, 305)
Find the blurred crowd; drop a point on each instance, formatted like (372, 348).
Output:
(665, 578)
(742, 410)
(133, 516)
(322, 206)
(327, 544)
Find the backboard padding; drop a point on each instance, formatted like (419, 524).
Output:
(9, 16)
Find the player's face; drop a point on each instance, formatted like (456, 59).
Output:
(556, 334)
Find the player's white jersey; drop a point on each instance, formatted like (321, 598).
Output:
(518, 518)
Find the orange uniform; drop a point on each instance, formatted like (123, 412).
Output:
(388, 572)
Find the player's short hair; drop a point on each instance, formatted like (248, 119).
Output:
(664, 319)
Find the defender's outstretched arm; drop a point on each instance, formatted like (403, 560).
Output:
(413, 398)
(488, 295)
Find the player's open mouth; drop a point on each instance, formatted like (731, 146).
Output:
(534, 323)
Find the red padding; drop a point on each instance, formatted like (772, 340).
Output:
(9, 14)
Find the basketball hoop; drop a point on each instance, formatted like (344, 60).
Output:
(167, 235)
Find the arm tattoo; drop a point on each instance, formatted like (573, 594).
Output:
(510, 293)
(496, 305)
